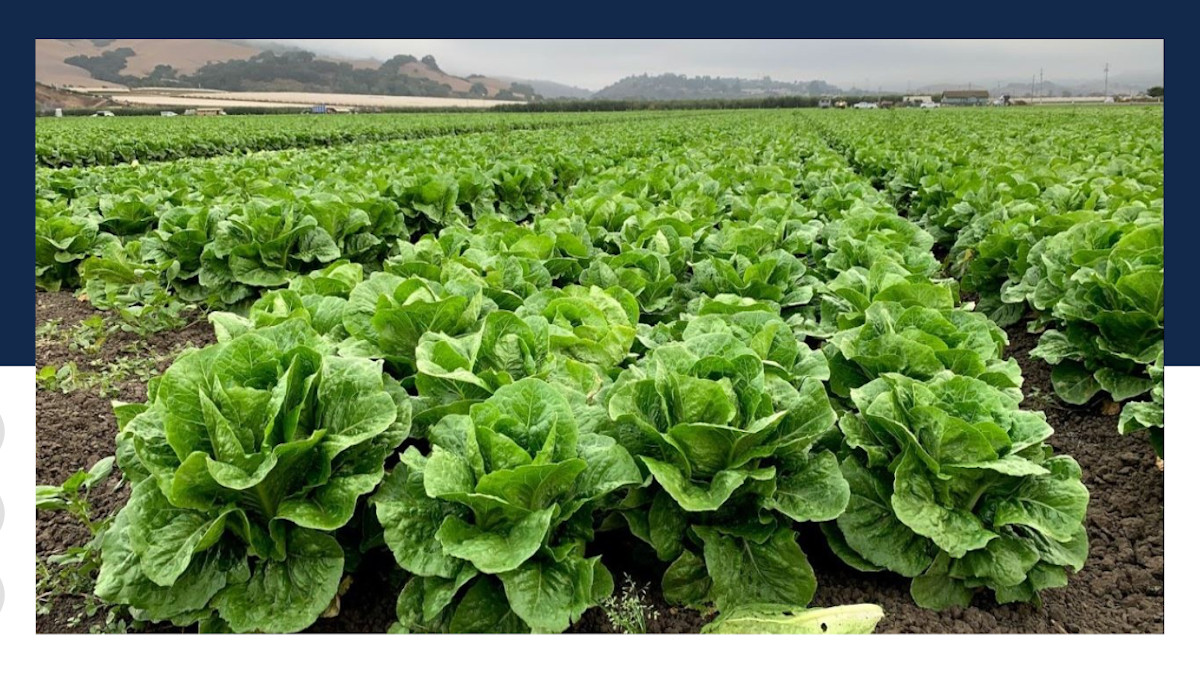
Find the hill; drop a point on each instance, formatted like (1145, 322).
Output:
(185, 56)
(673, 86)
(238, 65)
(550, 89)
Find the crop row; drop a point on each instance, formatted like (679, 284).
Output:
(1059, 213)
(84, 142)
(707, 344)
(146, 240)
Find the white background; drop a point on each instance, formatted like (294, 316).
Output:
(24, 654)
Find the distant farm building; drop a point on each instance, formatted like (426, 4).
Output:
(825, 102)
(917, 99)
(965, 98)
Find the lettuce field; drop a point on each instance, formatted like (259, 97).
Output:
(785, 371)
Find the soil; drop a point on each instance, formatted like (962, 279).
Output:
(1119, 590)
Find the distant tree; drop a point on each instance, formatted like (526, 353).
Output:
(107, 66)
(393, 65)
(522, 89)
(268, 70)
(478, 90)
(163, 74)
(429, 61)
(1156, 91)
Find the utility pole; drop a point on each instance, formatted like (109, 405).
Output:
(1041, 82)
(1106, 80)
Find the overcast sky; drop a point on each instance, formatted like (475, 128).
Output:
(863, 63)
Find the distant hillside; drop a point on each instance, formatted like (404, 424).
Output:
(238, 65)
(50, 98)
(674, 86)
(552, 90)
(52, 58)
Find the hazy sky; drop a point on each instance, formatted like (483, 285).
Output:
(864, 63)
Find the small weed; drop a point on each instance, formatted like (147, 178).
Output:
(110, 378)
(49, 331)
(58, 378)
(91, 334)
(628, 611)
(71, 574)
(107, 379)
(117, 620)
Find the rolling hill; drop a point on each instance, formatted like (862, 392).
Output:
(668, 86)
(186, 56)
(239, 65)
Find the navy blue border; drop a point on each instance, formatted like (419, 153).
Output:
(577, 20)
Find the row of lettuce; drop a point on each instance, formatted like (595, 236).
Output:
(87, 142)
(1058, 213)
(718, 338)
(149, 241)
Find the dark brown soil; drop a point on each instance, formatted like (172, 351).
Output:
(1120, 590)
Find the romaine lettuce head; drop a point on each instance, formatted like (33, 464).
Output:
(503, 502)
(728, 436)
(247, 456)
(387, 314)
(61, 243)
(952, 484)
(588, 324)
